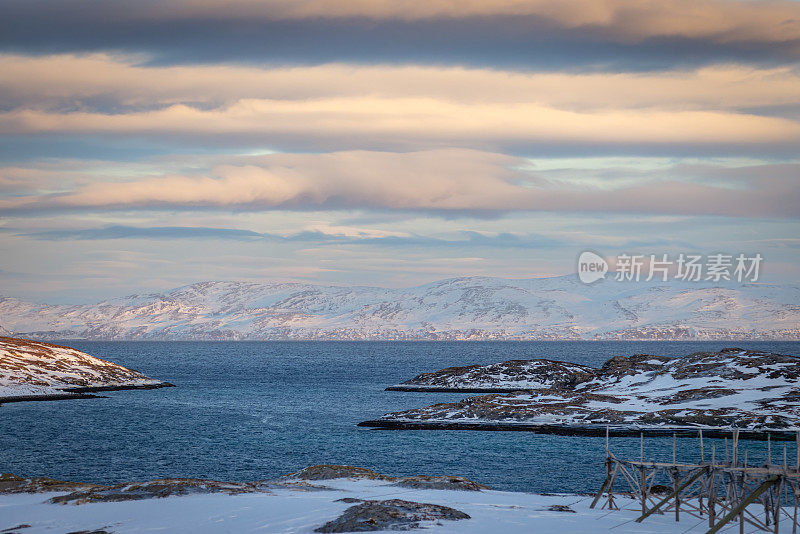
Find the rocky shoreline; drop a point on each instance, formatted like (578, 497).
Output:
(80, 393)
(37, 371)
(592, 431)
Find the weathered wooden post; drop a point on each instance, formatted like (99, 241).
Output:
(712, 488)
(642, 474)
(677, 491)
(727, 460)
(769, 450)
(674, 447)
(702, 458)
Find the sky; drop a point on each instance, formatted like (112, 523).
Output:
(152, 144)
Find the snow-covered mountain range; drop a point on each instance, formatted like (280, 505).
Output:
(459, 308)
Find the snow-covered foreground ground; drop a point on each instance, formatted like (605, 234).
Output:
(293, 510)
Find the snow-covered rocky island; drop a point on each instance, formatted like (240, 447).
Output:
(717, 391)
(32, 370)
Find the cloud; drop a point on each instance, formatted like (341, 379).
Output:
(101, 81)
(409, 123)
(316, 237)
(477, 31)
(437, 181)
(132, 232)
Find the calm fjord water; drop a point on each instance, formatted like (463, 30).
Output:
(254, 410)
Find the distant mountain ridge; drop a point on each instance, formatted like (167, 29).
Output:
(452, 309)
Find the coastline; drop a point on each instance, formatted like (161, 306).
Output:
(80, 393)
(586, 430)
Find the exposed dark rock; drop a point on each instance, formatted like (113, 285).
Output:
(10, 483)
(660, 489)
(440, 482)
(329, 472)
(560, 508)
(155, 489)
(394, 514)
(502, 377)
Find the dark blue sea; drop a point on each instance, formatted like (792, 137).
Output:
(254, 410)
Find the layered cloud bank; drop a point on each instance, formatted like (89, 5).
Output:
(724, 108)
(316, 30)
(391, 141)
(444, 180)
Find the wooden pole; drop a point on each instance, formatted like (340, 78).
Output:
(677, 492)
(785, 465)
(644, 489)
(603, 487)
(674, 447)
(702, 459)
(769, 450)
(712, 499)
(641, 447)
(712, 488)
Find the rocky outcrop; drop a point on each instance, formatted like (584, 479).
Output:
(440, 483)
(156, 489)
(512, 375)
(734, 388)
(332, 472)
(10, 483)
(33, 370)
(83, 493)
(394, 514)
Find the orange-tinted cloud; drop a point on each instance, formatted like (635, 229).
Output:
(50, 81)
(447, 180)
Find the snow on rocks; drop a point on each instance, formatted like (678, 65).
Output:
(512, 375)
(392, 514)
(732, 388)
(333, 472)
(32, 370)
(288, 509)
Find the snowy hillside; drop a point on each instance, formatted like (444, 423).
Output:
(460, 308)
(34, 369)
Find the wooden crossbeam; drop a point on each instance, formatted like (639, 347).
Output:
(700, 472)
(767, 484)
